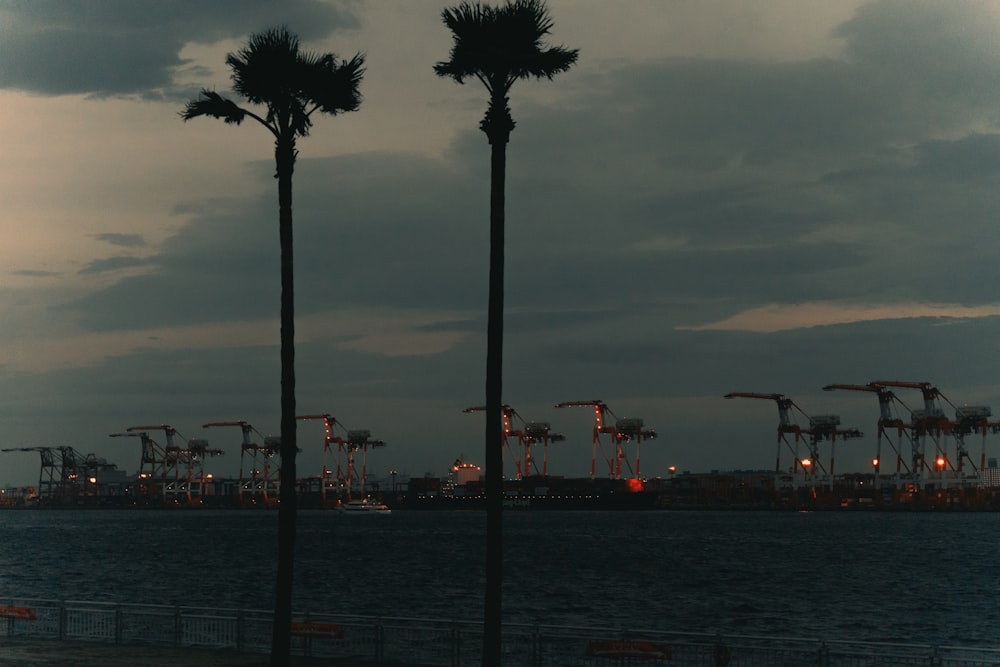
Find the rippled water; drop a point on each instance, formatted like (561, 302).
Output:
(876, 576)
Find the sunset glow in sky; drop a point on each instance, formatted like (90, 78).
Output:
(720, 196)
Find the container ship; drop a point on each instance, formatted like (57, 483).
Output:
(464, 488)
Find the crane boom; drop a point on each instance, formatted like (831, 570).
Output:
(754, 394)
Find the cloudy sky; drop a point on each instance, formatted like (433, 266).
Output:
(721, 196)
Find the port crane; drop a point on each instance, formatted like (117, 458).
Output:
(508, 413)
(177, 470)
(532, 434)
(973, 419)
(169, 459)
(927, 423)
(359, 440)
(786, 424)
(347, 445)
(257, 481)
(65, 474)
(190, 488)
(932, 423)
(821, 428)
(623, 432)
(888, 421)
(329, 482)
(152, 464)
(528, 436)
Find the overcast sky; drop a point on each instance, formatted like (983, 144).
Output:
(720, 196)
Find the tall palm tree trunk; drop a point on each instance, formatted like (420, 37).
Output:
(282, 622)
(497, 125)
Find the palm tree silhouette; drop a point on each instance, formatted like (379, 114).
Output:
(498, 46)
(293, 85)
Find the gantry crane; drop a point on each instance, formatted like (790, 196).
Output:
(327, 481)
(64, 474)
(359, 440)
(169, 478)
(827, 427)
(190, 459)
(256, 483)
(929, 422)
(624, 431)
(151, 477)
(508, 413)
(532, 434)
(821, 428)
(888, 421)
(786, 424)
(52, 479)
(972, 419)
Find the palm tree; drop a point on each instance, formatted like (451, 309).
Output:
(498, 46)
(292, 85)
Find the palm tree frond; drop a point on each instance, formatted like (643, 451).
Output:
(547, 64)
(335, 88)
(260, 70)
(502, 44)
(212, 104)
(272, 70)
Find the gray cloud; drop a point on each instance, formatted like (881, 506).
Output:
(36, 273)
(122, 240)
(111, 47)
(111, 264)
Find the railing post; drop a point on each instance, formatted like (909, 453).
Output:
(536, 649)
(178, 626)
(240, 620)
(456, 651)
(379, 642)
(119, 620)
(824, 654)
(936, 660)
(721, 653)
(62, 619)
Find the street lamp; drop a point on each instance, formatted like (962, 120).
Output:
(393, 473)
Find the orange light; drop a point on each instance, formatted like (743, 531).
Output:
(806, 463)
(940, 461)
(875, 463)
(634, 485)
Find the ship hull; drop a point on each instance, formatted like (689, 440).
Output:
(544, 493)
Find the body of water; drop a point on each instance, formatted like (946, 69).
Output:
(910, 577)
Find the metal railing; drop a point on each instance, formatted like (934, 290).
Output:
(444, 643)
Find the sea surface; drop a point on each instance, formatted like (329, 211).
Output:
(912, 577)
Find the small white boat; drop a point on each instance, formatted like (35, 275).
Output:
(363, 506)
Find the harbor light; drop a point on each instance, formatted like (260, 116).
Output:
(941, 461)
